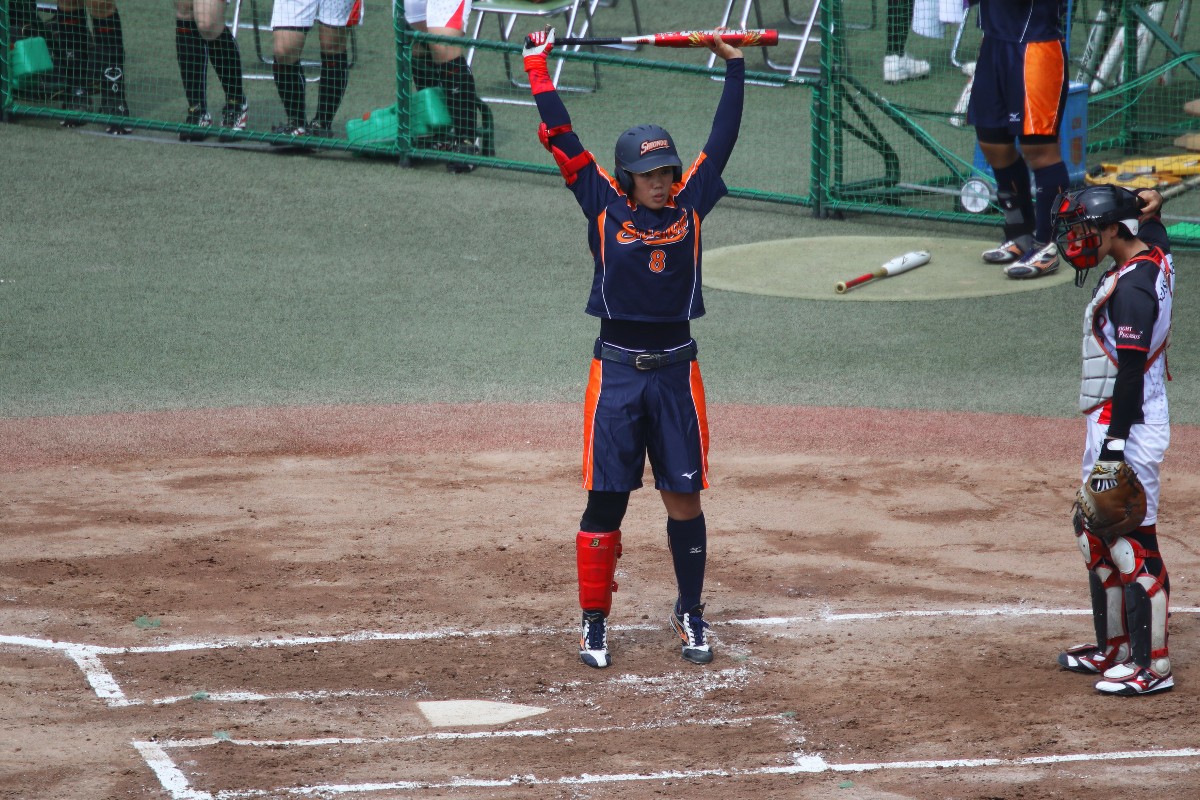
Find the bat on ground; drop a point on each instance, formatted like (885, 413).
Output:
(741, 38)
(894, 267)
(959, 117)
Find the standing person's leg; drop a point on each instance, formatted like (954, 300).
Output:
(687, 538)
(74, 42)
(290, 23)
(110, 55)
(614, 457)
(677, 444)
(472, 119)
(897, 64)
(192, 56)
(1042, 89)
(335, 76)
(222, 50)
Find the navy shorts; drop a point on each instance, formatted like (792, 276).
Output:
(632, 413)
(1021, 88)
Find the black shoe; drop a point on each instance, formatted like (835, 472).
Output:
(290, 129)
(593, 640)
(76, 100)
(321, 130)
(112, 101)
(465, 147)
(200, 118)
(234, 117)
(690, 627)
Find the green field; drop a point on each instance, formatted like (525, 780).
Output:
(140, 275)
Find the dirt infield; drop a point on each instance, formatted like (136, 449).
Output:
(254, 603)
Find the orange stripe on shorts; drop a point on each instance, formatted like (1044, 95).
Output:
(1044, 71)
(591, 400)
(701, 417)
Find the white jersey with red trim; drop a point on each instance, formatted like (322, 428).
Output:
(1101, 335)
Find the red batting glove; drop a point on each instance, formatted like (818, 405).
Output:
(537, 46)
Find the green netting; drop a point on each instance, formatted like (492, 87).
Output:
(822, 127)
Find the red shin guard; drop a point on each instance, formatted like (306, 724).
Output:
(596, 557)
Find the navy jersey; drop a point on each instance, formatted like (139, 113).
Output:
(647, 264)
(1022, 20)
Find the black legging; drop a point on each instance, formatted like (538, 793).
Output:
(899, 18)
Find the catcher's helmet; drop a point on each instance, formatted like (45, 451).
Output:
(643, 148)
(1079, 216)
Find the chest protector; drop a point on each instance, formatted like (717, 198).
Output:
(1099, 338)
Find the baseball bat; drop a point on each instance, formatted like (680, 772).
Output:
(959, 117)
(740, 38)
(894, 267)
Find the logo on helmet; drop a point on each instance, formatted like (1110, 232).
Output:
(653, 144)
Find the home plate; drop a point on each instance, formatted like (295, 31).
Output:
(447, 713)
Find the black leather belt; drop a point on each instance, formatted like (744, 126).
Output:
(645, 360)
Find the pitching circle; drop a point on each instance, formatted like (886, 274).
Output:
(810, 268)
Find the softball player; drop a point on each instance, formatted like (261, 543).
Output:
(1126, 333)
(445, 66)
(290, 23)
(106, 47)
(1019, 95)
(201, 35)
(645, 395)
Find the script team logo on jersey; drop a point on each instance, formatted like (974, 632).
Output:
(677, 231)
(651, 145)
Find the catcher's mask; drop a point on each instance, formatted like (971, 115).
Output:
(1079, 217)
(643, 148)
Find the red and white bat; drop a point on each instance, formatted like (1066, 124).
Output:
(741, 38)
(894, 267)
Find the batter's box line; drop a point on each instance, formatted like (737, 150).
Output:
(176, 783)
(88, 657)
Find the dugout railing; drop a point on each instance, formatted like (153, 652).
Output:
(831, 136)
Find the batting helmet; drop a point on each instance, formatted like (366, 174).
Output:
(1079, 216)
(643, 148)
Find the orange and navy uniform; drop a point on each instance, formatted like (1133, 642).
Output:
(1021, 73)
(646, 287)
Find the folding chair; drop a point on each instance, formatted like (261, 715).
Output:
(258, 27)
(507, 12)
(804, 39)
(598, 4)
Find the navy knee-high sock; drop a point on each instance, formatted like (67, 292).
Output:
(688, 540)
(193, 63)
(1050, 181)
(1013, 181)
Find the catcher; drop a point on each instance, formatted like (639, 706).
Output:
(1126, 332)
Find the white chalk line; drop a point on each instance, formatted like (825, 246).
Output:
(802, 763)
(106, 687)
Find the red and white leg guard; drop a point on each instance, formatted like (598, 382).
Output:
(1146, 604)
(1108, 605)
(596, 557)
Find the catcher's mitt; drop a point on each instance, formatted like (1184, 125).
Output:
(1111, 501)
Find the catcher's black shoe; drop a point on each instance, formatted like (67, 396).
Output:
(690, 627)
(1128, 680)
(593, 640)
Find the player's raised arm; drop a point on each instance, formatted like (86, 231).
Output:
(728, 119)
(555, 132)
